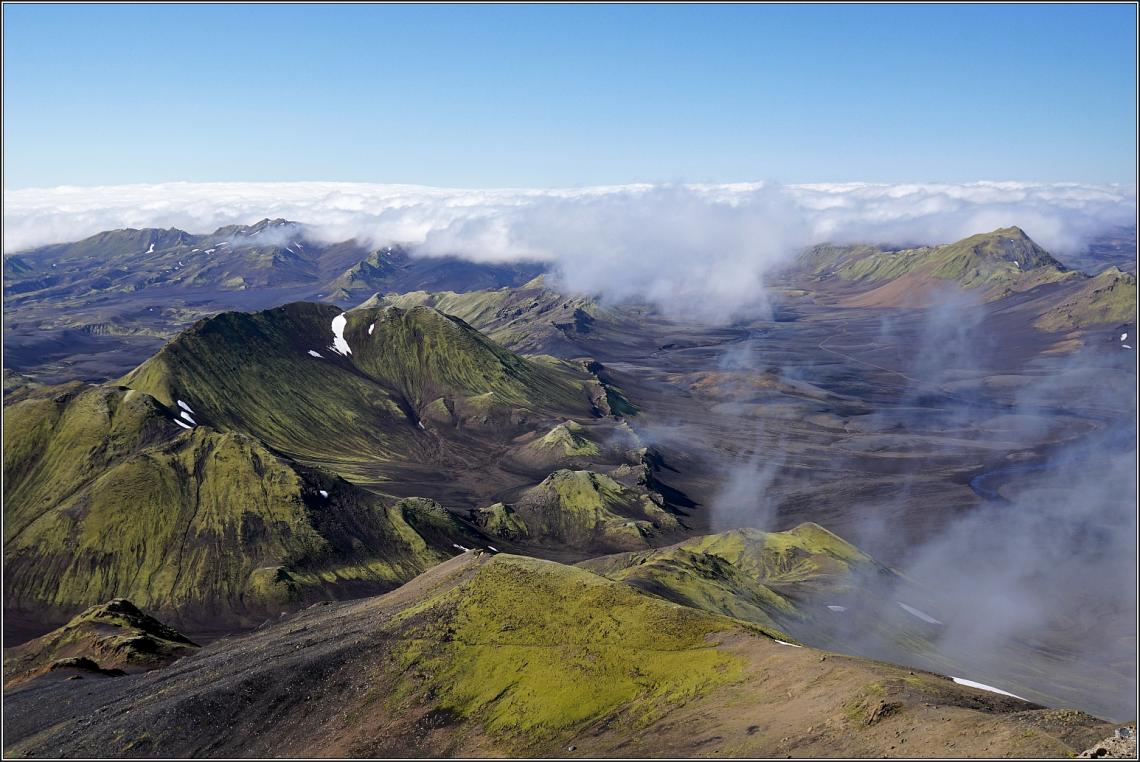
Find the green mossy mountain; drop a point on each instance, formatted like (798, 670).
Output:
(110, 638)
(764, 577)
(1001, 258)
(276, 375)
(580, 511)
(242, 470)
(106, 496)
(995, 265)
(1107, 299)
(529, 318)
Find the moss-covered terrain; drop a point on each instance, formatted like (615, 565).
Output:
(106, 496)
(499, 655)
(245, 468)
(995, 265)
(1107, 299)
(531, 318)
(581, 511)
(1003, 258)
(260, 373)
(774, 578)
(111, 638)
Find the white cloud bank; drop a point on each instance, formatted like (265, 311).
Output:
(657, 241)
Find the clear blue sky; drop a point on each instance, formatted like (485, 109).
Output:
(483, 96)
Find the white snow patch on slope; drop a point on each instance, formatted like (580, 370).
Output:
(371, 328)
(183, 425)
(185, 407)
(457, 545)
(786, 643)
(323, 493)
(339, 344)
(187, 417)
(838, 608)
(1123, 337)
(1126, 346)
(151, 249)
(984, 687)
(920, 614)
(315, 354)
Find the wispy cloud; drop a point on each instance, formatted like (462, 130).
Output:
(707, 243)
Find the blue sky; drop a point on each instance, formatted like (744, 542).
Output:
(539, 96)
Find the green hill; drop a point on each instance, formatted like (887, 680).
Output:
(112, 638)
(580, 511)
(488, 656)
(826, 593)
(361, 405)
(1107, 299)
(529, 318)
(106, 496)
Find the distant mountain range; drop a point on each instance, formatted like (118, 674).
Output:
(98, 306)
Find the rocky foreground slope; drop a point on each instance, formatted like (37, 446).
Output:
(489, 655)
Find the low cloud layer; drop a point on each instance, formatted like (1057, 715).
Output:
(710, 243)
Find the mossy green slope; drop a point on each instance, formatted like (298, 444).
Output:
(259, 373)
(574, 647)
(1107, 299)
(998, 263)
(112, 636)
(488, 656)
(764, 577)
(105, 496)
(530, 318)
(580, 510)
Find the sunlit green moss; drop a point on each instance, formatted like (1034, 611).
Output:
(574, 647)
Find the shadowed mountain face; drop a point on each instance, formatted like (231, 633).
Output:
(504, 655)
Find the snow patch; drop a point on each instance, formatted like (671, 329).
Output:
(421, 425)
(1123, 337)
(183, 425)
(371, 328)
(185, 407)
(457, 545)
(315, 354)
(984, 687)
(151, 249)
(208, 251)
(323, 493)
(186, 415)
(339, 344)
(1126, 346)
(786, 643)
(492, 547)
(838, 608)
(920, 614)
